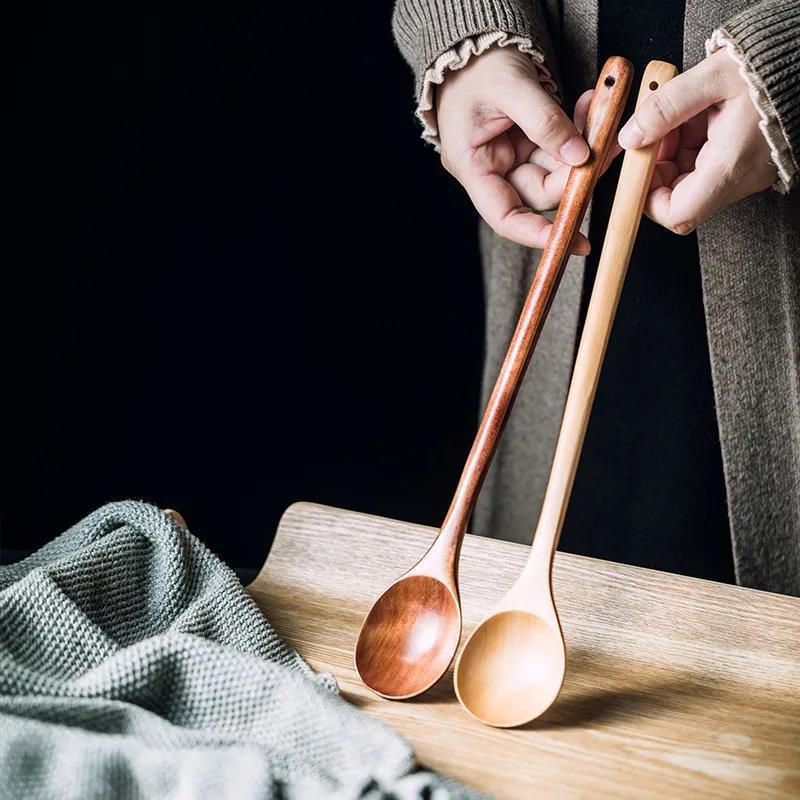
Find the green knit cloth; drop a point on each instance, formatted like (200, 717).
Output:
(134, 665)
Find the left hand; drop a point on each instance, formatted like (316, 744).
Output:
(713, 152)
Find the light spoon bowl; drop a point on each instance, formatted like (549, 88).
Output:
(511, 669)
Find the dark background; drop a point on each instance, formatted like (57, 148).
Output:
(234, 275)
(236, 278)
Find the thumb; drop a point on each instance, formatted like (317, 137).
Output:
(543, 121)
(671, 105)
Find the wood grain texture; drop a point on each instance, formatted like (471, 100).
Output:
(675, 687)
(410, 635)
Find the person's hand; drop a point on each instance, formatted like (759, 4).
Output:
(508, 142)
(713, 152)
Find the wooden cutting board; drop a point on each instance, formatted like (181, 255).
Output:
(675, 687)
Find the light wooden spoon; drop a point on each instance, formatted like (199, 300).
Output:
(410, 635)
(512, 667)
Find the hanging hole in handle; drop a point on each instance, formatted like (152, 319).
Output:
(609, 81)
(653, 86)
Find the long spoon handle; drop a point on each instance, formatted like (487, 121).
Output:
(605, 111)
(623, 225)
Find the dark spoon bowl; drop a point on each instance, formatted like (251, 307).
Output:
(409, 637)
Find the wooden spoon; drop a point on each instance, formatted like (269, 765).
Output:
(410, 635)
(177, 517)
(512, 667)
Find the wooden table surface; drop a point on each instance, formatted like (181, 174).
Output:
(675, 687)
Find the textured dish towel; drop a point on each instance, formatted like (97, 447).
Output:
(134, 665)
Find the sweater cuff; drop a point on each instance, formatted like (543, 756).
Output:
(457, 58)
(424, 29)
(764, 41)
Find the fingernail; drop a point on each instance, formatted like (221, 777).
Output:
(575, 151)
(631, 135)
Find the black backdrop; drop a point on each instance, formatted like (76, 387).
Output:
(234, 276)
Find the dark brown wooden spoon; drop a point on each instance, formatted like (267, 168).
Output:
(411, 634)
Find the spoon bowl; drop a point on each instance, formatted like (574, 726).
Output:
(511, 669)
(409, 637)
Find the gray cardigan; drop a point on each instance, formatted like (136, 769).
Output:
(750, 263)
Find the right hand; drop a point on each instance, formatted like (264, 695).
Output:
(509, 143)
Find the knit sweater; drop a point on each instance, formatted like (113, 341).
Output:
(750, 270)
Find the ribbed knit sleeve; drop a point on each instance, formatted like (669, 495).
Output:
(765, 40)
(425, 29)
(438, 36)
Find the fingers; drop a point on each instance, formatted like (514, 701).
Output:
(543, 121)
(538, 177)
(524, 148)
(665, 174)
(682, 202)
(581, 113)
(501, 206)
(669, 146)
(671, 105)
(539, 188)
